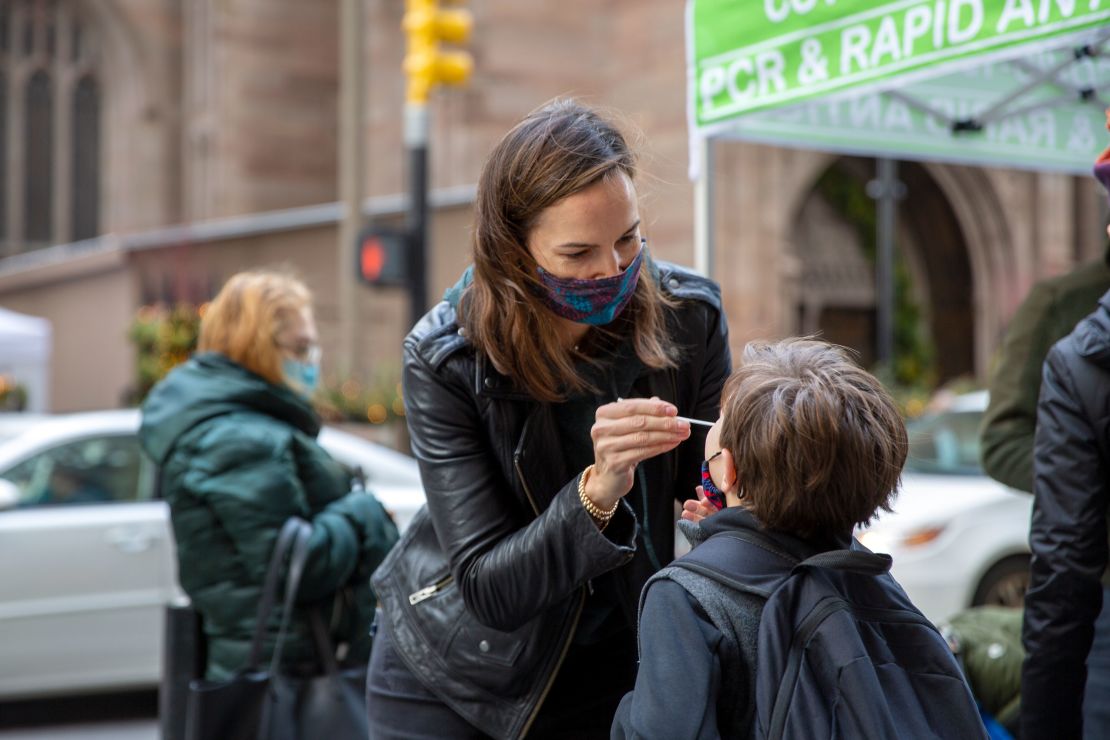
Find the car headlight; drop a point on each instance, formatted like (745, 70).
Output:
(879, 540)
(875, 540)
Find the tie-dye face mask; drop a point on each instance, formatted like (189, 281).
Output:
(594, 302)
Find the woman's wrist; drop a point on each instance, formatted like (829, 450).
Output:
(601, 514)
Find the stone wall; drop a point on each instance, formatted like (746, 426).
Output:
(228, 107)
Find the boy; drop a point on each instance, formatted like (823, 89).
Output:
(808, 445)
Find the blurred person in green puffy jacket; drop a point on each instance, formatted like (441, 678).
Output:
(234, 436)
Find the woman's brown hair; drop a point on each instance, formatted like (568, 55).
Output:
(556, 151)
(818, 442)
(244, 320)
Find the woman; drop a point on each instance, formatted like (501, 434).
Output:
(509, 607)
(235, 440)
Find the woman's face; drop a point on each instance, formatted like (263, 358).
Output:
(591, 234)
(298, 338)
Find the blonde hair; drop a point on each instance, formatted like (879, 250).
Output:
(244, 320)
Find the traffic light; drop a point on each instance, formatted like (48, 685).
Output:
(381, 256)
(426, 25)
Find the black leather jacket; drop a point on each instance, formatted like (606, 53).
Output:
(484, 591)
(1068, 536)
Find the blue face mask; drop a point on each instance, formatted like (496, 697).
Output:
(303, 376)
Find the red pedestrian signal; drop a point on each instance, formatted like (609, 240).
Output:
(381, 257)
(373, 259)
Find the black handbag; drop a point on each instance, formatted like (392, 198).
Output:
(258, 704)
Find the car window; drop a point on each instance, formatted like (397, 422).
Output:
(945, 443)
(92, 470)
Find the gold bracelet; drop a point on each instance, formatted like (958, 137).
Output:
(600, 516)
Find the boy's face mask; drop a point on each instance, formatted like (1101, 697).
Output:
(594, 302)
(713, 494)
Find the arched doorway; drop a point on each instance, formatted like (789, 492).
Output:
(833, 240)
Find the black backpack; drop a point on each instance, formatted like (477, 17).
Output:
(842, 651)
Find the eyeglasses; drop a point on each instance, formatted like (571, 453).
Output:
(305, 352)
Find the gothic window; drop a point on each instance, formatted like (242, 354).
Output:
(51, 103)
(3, 151)
(86, 158)
(38, 166)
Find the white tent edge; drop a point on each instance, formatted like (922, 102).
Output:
(25, 351)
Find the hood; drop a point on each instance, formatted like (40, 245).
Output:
(1092, 334)
(737, 517)
(209, 385)
(454, 294)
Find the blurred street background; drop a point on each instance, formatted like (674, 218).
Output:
(152, 148)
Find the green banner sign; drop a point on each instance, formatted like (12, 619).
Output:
(750, 55)
(916, 122)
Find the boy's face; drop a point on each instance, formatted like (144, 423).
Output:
(713, 439)
(721, 464)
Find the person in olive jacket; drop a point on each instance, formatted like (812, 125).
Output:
(234, 437)
(541, 398)
(1052, 309)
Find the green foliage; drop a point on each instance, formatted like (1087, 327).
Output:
(13, 395)
(376, 399)
(164, 338)
(914, 365)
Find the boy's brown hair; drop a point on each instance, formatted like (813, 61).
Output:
(818, 442)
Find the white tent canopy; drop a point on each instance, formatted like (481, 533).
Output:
(25, 344)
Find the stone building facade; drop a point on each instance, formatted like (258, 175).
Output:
(216, 150)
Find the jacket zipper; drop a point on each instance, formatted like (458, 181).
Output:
(641, 486)
(574, 622)
(524, 483)
(558, 665)
(428, 591)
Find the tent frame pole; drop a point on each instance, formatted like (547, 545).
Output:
(704, 208)
(1039, 77)
(886, 190)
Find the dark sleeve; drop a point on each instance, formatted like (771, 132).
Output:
(1068, 538)
(714, 369)
(506, 572)
(1011, 417)
(248, 479)
(679, 679)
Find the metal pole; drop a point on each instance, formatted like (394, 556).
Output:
(416, 141)
(704, 197)
(352, 174)
(884, 258)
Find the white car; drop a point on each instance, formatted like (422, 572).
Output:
(958, 537)
(83, 580)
